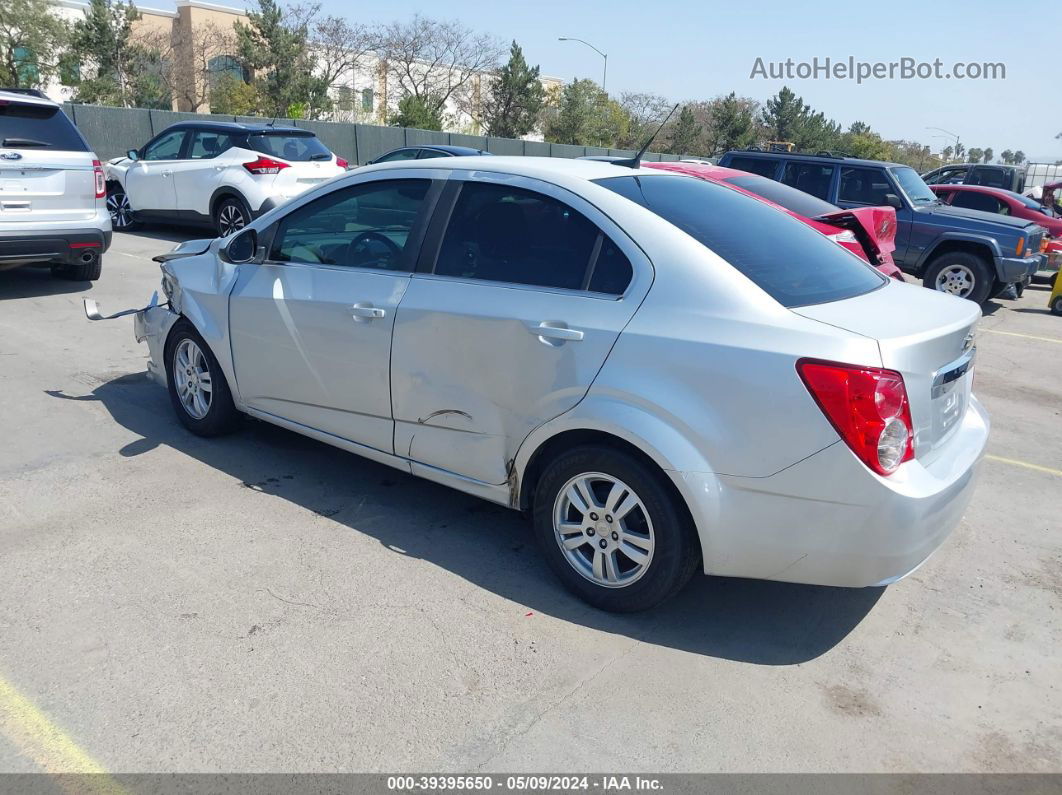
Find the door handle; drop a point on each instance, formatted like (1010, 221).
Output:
(167, 173)
(366, 311)
(556, 331)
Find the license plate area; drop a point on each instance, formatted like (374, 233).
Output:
(951, 394)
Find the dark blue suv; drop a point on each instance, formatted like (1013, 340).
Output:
(968, 253)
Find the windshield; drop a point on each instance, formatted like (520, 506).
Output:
(913, 185)
(792, 199)
(786, 258)
(288, 146)
(25, 126)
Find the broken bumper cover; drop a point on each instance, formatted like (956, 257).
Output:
(153, 324)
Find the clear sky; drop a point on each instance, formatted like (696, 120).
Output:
(685, 49)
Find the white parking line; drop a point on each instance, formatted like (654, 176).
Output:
(1026, 336)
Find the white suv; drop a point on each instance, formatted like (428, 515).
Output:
(216, 173)
(52, 210)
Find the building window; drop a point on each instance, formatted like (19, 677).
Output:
(366, 100)
(228, 65)
(26, 66)
(345, 99)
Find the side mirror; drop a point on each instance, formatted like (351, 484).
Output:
(132, 154)
(892, 200)
(242, 247)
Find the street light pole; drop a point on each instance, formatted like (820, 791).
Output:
(947, 132)
(604, 56)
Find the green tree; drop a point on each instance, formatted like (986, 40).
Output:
(32, 42)
(731, 123)
(420, 112)
(515, 99)
(276, 50)
(230, 95)
(685, 134)
(1019, 157)
(946, 153)
(987, 155)
(784, 115)
(960, 150)
(975, 154)
(103, 37)
(585, 116)
(1007, 156)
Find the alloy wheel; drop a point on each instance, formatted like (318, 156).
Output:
(119, 209)
(956, 279)
(231, 219)
(191, 376)
(603, 529)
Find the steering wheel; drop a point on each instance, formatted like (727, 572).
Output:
(373, 247)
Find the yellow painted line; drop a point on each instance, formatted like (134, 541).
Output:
(1026, 336)
(48, 746)
(1025, 464)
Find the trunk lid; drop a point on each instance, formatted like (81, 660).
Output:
(46, 185)
(926, 336)
(874, 227)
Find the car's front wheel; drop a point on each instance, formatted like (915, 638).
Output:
(119, 208)
(961, 274)
(198, 390)
(612, 530)
(230, 216)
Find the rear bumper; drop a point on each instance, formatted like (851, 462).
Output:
(52, 247)
(829, 520)
(1015, 269)
(153, 326)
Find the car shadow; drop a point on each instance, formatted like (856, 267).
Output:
(764, 623)
(31, 282)
(169, 234)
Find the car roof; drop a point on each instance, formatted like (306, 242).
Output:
(540, 167)
(456, 151)
(25, 98)
(702, 170)
(978, 189)
(848, 161)
(230, 126)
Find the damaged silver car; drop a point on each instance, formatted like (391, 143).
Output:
(664, 373)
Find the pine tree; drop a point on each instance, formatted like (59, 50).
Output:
(32, 39)
(419, 112)
(516, 98)
(731, 125)
(102, 38)
(686, 134)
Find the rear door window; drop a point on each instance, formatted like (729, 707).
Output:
(786, 258)
(292, 147)
(863, 186)
(398, 154)
(972, 200)
(765, 167)
(813, 178)
(207, 144)
(28, 126)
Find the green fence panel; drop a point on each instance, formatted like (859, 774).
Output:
(623, 152)
(566, 150)
(475, 141)
(505, 146)
(373, 141)
(336, 136)
(536, 149)
(415, 137)
(111, 132)
(596, 151)
(669, 158)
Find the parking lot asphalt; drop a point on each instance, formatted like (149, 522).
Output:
(263, 602)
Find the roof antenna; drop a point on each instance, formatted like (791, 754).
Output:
(636, 161)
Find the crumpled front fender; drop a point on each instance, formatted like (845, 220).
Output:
(153, 326)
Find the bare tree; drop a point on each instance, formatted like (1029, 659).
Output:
(437, 61)
(187, 59)
(645, 112)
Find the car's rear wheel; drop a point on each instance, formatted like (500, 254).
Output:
(612, 530)
(1056, 306)
(198, 390)
(119, 208)
(961, 274)
(230, 216)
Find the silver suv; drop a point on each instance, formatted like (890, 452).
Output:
(53, 209)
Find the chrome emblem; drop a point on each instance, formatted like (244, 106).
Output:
(10, 155)
(968, 342)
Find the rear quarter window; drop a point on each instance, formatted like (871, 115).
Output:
(786, 258)
(30, 126)
(295, 148)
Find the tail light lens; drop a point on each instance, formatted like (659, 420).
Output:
(342, 163)
(868, 407)
(265, 165)
(101, 184)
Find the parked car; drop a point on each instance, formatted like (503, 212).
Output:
(999, 201)
(868, 232)
(216, 174)
(963, 252)
(52, 200)
(665, 373)
(427, 152)
(1010, 178)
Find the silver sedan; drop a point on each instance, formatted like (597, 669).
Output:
(667, 375)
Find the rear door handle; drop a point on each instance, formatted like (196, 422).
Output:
(556, 331)
(366, 311)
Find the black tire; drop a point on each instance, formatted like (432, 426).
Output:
(980, 270)
(228, 212)
(1056, 306)
(676, 553)
(221, 415)
(80, 271)
(123, 219)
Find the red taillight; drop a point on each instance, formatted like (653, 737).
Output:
(101, 184)
(265, 165)
(342, 163)
(868, 407)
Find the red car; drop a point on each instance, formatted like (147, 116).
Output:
(1003, 202)
(868, 232)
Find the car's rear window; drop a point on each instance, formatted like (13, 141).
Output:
(296, 148)
(786, 258)
(792, 199)
(30, 126)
